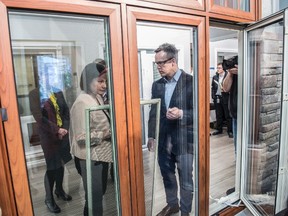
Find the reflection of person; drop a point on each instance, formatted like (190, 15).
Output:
(93, 86)
(230, 84)
(220, 100)
(175, 145)
(52, 117)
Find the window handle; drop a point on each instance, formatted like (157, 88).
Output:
(4, 114)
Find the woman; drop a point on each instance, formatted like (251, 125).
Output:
(93, 86)
(51, 113)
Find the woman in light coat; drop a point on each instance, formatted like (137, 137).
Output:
(93, 85)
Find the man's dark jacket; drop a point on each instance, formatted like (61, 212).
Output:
(180, 130)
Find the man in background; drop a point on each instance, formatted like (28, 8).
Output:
(220, 99)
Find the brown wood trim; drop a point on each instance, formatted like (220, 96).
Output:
(133, 114)
(120, 110)
(230, 211)
(232, 12)
(184, 5)
(7, 199)
(203, 76)
(134, 14)
(8, 94)
(207, 120)
(193, 4)
(163, 16)
(12, 126)
(258, 9)
(77, 6)
(187, 10)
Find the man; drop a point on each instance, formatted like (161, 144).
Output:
(220, 100)
(175, 145)
(230, 84)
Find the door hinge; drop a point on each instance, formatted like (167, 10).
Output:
(4, 114)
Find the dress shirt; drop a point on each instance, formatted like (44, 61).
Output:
(170, 87)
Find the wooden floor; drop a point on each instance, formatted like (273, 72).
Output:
(222, 165)
(222, 177)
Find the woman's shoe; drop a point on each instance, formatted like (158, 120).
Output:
(52, 206)
(63, 195)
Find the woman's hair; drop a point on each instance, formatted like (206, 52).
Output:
(90, 72)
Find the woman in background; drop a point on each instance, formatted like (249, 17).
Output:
(49, 108)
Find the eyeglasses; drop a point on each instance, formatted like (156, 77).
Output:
(162, 63)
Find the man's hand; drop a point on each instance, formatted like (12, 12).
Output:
(151, 144)
(234, 70)
(174, 113)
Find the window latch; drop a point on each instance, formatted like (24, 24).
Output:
(4, 114)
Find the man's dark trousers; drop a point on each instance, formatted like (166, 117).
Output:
(167, 162)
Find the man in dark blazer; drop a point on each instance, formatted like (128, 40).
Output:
(175, 146)
(220, 99)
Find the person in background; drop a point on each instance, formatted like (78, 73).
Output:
(93, 85)
(230, 84)
(49, 108)
(175, 147)
(220, 99)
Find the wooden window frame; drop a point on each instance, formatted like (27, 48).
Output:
(251, 15)
(192, 4)
(135, 14)
(12, 128)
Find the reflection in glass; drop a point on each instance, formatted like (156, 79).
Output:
(152, 77)
(265, 47)
(273, 6)
(243, 5)
(49, 53)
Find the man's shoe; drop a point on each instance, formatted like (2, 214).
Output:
(217, 132)
(230, 134)
(169, 210)
(184, 214)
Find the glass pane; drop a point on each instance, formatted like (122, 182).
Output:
(51, 52)
(219, 2)
(176, 149)
(232, 4)
(243, 5)
(272, 6)
(223, 46)
(265, 48)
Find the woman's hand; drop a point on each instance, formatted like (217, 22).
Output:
(107, 134)
(61, 133)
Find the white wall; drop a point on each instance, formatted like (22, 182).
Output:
(87, 33)
(229, 45)
(150, 37)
